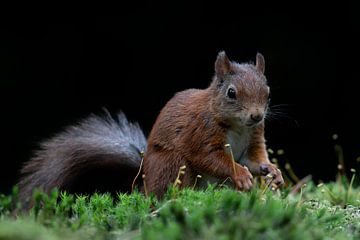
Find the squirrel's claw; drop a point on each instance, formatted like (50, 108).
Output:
(273, 172)
(244, 180)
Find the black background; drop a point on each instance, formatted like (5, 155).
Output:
(58, 68)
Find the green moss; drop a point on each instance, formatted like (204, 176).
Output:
(327, 212)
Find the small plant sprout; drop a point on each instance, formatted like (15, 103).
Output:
(142, 153)
(268, 179)
(196, 179)
(291, 172)
(232, 157)
(340, 167)
(301, 196)
(270, 151)
(302, 183)
(280, 152)
(175, 190)
(321, 185)
(224, 182)
(350, 185)
(144, 182)
(335, 136)
(180, 173)
(340, 156)
(341, 172)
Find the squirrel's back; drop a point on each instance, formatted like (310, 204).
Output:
(182, 111)
(98, 154)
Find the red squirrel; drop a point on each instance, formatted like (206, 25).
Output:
(192, 130)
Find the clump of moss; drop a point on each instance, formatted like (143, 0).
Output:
(213, 213)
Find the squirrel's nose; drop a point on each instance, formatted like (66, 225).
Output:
(256, 117)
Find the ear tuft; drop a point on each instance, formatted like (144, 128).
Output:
(222, 64)
(260, 62)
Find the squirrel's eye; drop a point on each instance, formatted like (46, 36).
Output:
(231, 93)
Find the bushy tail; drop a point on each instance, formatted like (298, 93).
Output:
(98, 154)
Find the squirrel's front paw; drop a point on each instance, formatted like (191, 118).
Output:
(275, 173)
(243, 179)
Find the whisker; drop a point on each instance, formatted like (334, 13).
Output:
(282, 119)
(276, 112)
(283, 104)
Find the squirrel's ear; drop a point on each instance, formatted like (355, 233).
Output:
(260, 62)
(222, 64)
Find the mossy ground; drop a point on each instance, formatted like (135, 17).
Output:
(331, 211)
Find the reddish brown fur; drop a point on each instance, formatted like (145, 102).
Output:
(192, 130)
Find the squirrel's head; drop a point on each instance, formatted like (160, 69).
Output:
(241, 93)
